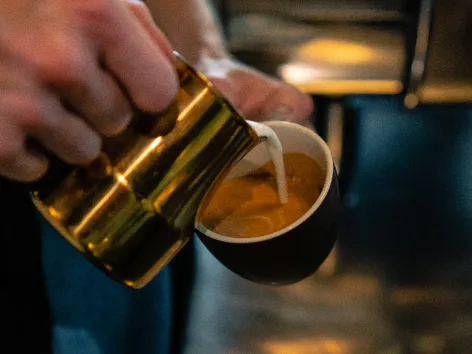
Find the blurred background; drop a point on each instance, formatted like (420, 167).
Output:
(392, 83)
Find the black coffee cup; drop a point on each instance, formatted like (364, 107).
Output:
(295, 252)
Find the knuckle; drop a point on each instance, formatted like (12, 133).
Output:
(64, 68)
(26, 111)
(99, 17)
(95, 10)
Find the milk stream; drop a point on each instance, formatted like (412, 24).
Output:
(274, 148)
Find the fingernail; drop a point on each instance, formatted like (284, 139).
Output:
(117, 125)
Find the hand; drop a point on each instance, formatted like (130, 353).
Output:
(258, 96)
(76, 54)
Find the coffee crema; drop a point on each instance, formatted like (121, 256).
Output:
(249, 206)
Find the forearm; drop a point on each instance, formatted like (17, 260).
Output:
(191, 27)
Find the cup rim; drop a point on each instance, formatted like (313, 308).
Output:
(324, 192)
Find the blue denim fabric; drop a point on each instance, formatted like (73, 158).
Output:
(95, 315)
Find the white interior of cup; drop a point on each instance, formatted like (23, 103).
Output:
(294, 138)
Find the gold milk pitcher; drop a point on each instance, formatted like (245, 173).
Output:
(133, 208)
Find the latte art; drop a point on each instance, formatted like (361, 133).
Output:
(249, 206)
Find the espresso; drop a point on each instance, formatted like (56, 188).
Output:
(249, 206)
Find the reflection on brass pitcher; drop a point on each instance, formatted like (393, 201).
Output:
(133, 208)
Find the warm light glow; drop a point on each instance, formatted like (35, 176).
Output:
(54, 213)
(336, 52)
(316, 80)
(108, 267)
(299, 72)
(307, 346)
(122, 180)
(345, 87)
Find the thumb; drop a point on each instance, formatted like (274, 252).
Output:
(290, 105)
(226, 89)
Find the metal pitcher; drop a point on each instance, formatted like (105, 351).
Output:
(133, 208)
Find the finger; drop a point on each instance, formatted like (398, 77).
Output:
(100, 100)
(24, 166)
(40, 115)
(73, 71)
(251, 92)
(287, 113)
(287, 103)
(66, 135)
(131, 54)
(16, 162)
(226, 88)
(143, 15)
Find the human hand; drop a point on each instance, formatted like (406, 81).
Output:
(258, 96)
(78, 54)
